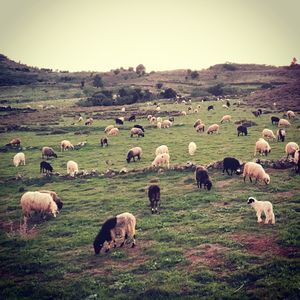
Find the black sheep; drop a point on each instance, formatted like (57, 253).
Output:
(274, 120)
(154, 197)
(210, 107)
(203, 178)
(132, 118)
(232, 164)
(281, 135)
(242, 130)
(45, 167)
(140, 127)
(119, 121)
(104, 142)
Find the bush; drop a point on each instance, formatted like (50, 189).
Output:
(216, 90)
(267, 86)
(198, 92)
(169, 93)
(194, 75)
(159, 85)
(230, 67)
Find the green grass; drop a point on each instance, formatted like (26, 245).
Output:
(172, 258)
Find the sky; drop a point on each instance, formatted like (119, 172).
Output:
(100, 35)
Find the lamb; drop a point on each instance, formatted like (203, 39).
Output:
(210, 107)
(154, 197)
(104, 141)
(183, 113)
(232, 164)
(225, 118)
(280, 135)
(119, 121)
(203, 178)
(45, 167)
(162, 159)
(166, 124)
(291, 148)
(55, 198)
(89, 121)
(274, 120)
(200, 127)
(136, 131)
(48, 152)
(252, 169)
(192, 148)
(242, 130)
(38, 202)
(162, 149)
(284, 123)
(113, 131)
(132, 118)
(123, 224)
(198, 122)
(213, 128)
(290, 114)
(108, 128)
(15, 142)
(134, 152)
(72, 168)
(268, 133)
(65, 145)
(139, 126)
(19, 159)
(262, 146)
(262, 206)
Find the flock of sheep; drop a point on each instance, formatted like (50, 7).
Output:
(124, 224)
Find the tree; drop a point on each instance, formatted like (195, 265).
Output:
(169, 93)
(140, 69)
(194, 74)
(97, 82)
(159, 85)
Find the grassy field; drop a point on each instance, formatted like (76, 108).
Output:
(202, 244)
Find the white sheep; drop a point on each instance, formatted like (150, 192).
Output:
(213, 128)
(19, 159)
(262, 147)
(80, 119)
(38, 202)
(225, 106)
(268, 133)
(108, 128)
(136, 131)
(158, 109)
(159, 119)
(183, 113)
(65, 145)
(291, 148)
(123, 109)
(158, 125)
(197, 122)
(113, 131)
(200, 127)
(196, 111)
(262, 206)
(284, 122)
(161, 159)
(162, 149)
(149, 117)
(290, 114)
(152, 120)
(72, 168)
(192, 148)
(226, 118)
(281, 134)
(252, 169)
(198, 106)
(166, 124)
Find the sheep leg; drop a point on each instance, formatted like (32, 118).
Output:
(250, 179)
(139, 157)
(133, 242)
(244, 178)
(258, 214)
(124, 237)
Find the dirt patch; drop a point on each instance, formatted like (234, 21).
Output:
(262, 245)
(287, 194)
(21, 228)
(224, 183)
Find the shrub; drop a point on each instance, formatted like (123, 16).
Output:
(159, 85)
(230, 67)
(194, 75)
(140, 69)
(198, 92)
(169, 93)
(97, 82)
(216, 90)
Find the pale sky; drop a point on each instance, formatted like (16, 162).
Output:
(100, 35)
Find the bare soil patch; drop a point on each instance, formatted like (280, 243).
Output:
(224, 183)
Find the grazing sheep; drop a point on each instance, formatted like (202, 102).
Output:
(192, 148)
(242, 130)
(297, 161)
(284, 123)
(149, 117)
(45, 167)
(228, 103)
(268, 133)
(48, 152)
(262, 206)
(123, 109)
(123, 224)
(15, 142)
(55, 198)
(134, 152)
(19, 159)
(232, 164)
(198, 106)
(200, 127)
(162, 159)
(119, 121)
(213, 128)
(38, 202)
(183, 113)
(196, 111)
(198, 122)
(139, 126)
(66, 145)
(104, 141)
(152, 120)
(203, 178)
(290, 114)
(290, 149)
(132, 118)
(72, 168)
(89, 121)
(154, 197)
(157, 109)
(171, 119)
(280, 135)
(262, 147)
(166, 124)
(274, 120)
(252, 169)
(257, 113)
(158, 125)
(159, 119)
(80, 119)
(162, 149)
(226, 118)
(210, 107)
(136, 131)
(190, 108)
(108, 128)
(113, 131)
(225, 106)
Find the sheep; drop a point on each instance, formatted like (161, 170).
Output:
(72, 168)
(162, 149)
(65, 145)
(132, 118)
(108, 128)
(123, 109)
(198, 122)
(171, 119)
(55, 198)
(157, 109)
(225, 118)
(45, 167)
(152, 120)
(158, 125)
(228, 103)
(38, 202)
(159, 119)
(280, 135)
(196, 111)
(262, 146)
(113, 131)
(284, 123)
(149, 117)
(183, 113)
(252, 169)
(192, 148)
(290, 114)
(256, 113)
(162, 159)
(48, 152)
(291, 148)
(89, 121)
(268, 133)
(119, 121)
(190, 108)
(232, 164)
(200, 127)
(297, 161)
(123, 224)
(136, 131)
(104, 141)
(225, 106)
(198, 106)
(262, 206)
(19, 159)
(133, 152)
(203, 178)
(242, 130)
(210, 107)
(166, 124)
(213, 128)
(80, 119)
(154, 197)
(139, 126)
(15, 142)
(274, 120)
